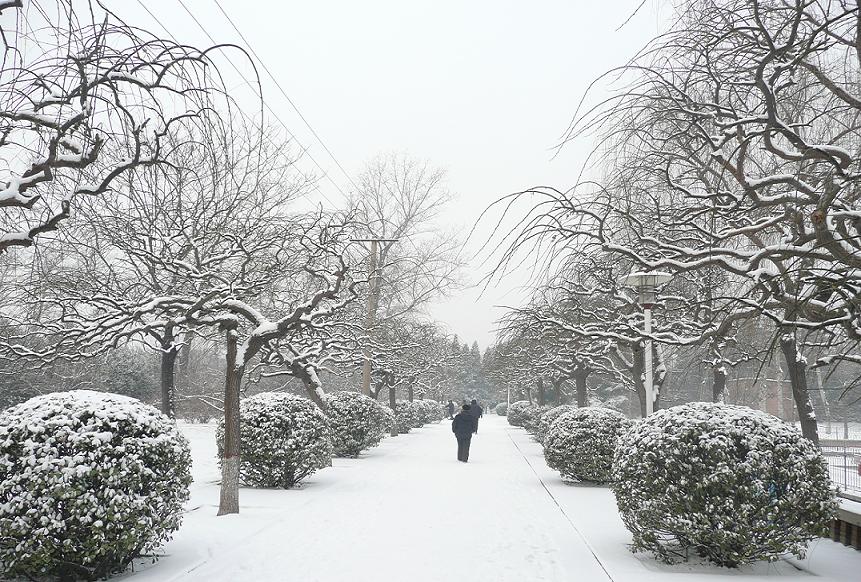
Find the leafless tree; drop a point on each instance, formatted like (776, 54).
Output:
(398, 201)
(170, 231)
(731, 144)
(84, 99)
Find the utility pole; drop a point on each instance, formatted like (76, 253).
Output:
(373, 302)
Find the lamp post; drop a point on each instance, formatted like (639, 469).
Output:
(647, 284)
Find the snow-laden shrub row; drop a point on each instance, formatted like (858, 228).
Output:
(580, 443)
(389, 414)
(729, 483)
(88, 482)
(517, 412)
(357, 422)
(532, 416)
(430, 411)
(408, 415)
(547, 419)
(502, 409)
(284, 438)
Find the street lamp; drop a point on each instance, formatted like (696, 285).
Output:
(647, 284)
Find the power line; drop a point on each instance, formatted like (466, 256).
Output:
(284, 93)
(303, 149)
(292, 135)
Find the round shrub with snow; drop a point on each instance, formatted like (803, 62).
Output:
(357, 422)
(502, 409)
(580, 443)
(532, 416)
(430, 410)
(547, 419)
(731, 484)
(284, 438)
(408, 415)
(88, 482)
(517, 412)
(389, 419)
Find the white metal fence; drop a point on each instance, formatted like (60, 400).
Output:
(843, 461)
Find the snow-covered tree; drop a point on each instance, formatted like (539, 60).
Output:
(86, 98)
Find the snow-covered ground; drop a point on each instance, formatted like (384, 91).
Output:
(408, 511)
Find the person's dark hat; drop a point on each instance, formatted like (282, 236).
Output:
(466, 406)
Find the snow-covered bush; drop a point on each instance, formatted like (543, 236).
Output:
(284, 438)
(547, 419)
(517, 412)
(430, 410)
(408, 415)
(356, 421)
(502, 409)
(418, 414)
(388, 416)
(88, 482)
(532, 416)
(580, 443)
(733, 484)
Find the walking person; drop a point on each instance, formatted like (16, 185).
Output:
(463, 426)
(450, 409)
(477, 412)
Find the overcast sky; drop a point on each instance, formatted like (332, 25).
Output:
(483, 89)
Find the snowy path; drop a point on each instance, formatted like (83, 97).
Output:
(409, 512)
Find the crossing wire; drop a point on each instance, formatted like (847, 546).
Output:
(284, 93)
(259, 94)
(212, 40)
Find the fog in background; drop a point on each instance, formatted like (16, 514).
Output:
(483, 89)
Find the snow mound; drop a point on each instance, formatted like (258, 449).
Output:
(547, 419)
(357, 422)
(284, 439)
(733, 484)
(580, 443)
(88, 482)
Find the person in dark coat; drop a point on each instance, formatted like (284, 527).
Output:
(450, 409)
(476, 412)
(463, 426)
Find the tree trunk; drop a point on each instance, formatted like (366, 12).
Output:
(557, 391)
(312, 388)
(393, 404)
(541, 398)
(311, 381)
(229, 502)
(580, 383)
(169, 352)
(183, 364)
(798, 377)
(410, 392)
(718, 384)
